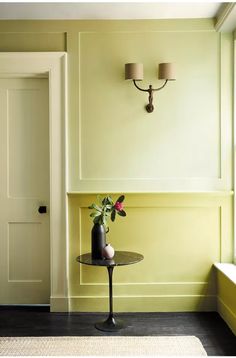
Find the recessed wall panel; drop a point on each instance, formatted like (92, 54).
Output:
(167, 237)
(181, 236)
(26, 248)
(118, 138)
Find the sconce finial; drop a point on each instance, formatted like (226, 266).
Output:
(134, 71)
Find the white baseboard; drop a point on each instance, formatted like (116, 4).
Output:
(59, 304)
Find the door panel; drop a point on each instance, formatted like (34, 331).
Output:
(25, 128)
(24, 164)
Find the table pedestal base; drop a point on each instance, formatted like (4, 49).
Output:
(110, 325)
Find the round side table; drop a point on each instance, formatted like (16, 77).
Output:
(121, 258)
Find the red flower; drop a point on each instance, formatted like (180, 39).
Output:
(119, 206)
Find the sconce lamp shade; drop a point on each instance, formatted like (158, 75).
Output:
(134, 71)
(167, 71)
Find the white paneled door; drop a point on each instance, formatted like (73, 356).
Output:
(24, 187)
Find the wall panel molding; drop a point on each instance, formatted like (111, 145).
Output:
(174, 303)
(93, 182)
(196, 226)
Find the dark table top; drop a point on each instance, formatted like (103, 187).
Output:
(120, 258)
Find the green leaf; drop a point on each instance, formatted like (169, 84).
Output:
(96, 207)
(110, 200)
(94, 214)
(93, 206)
(105, 201)
(121, 199)
(113, 215)
(121, 213)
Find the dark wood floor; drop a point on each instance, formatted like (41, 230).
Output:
(209, 327)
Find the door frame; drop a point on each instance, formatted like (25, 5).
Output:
(52, 65)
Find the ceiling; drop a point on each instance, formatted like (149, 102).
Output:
(107, 10)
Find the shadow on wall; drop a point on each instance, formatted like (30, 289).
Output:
(208, 296)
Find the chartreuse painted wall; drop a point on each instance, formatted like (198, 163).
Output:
(180, 235)
(174, 165)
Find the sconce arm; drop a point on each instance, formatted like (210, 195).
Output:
(158, 89)
(139, 88)
(150, 90)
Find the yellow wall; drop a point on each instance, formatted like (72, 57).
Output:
(180, 236)
(175, 165)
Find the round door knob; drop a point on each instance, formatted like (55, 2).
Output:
(42, 210)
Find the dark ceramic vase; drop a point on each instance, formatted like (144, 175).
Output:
(98, 237)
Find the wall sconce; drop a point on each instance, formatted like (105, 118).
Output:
(134, 71)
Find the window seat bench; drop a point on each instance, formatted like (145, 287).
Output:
(226, 293)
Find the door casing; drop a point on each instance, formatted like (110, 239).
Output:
(54, 66)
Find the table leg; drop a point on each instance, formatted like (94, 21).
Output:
(110, 324)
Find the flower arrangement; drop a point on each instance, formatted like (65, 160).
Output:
(107, 209)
